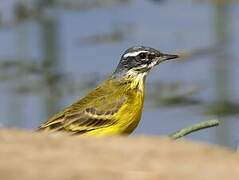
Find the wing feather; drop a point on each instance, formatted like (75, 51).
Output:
(97, 110)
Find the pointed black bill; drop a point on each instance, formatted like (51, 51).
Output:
(165, 57)
(169, 56)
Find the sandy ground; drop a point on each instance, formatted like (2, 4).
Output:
(35, 156)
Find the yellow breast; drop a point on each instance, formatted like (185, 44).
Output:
(130, 113)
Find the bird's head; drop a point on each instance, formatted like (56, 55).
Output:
(141, 59)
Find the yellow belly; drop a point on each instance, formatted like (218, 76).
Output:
(132, 114)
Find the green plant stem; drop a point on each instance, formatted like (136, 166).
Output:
(197, 127)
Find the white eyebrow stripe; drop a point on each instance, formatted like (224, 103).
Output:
(133, 54)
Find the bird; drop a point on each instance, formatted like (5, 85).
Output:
(115, 106)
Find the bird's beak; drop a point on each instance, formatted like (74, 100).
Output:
(165, 57)
(169, 56)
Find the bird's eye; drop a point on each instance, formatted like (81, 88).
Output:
(152, 56)
(142, 55)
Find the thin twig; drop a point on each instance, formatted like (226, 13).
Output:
(197, 127)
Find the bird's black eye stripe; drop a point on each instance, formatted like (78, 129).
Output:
(142, 55)
(152, 56)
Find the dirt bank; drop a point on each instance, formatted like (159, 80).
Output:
(33, 156)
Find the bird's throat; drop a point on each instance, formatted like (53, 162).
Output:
(137, 80)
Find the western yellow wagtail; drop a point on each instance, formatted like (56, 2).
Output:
(114, 106)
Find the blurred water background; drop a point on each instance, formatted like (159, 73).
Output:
(53, 51)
